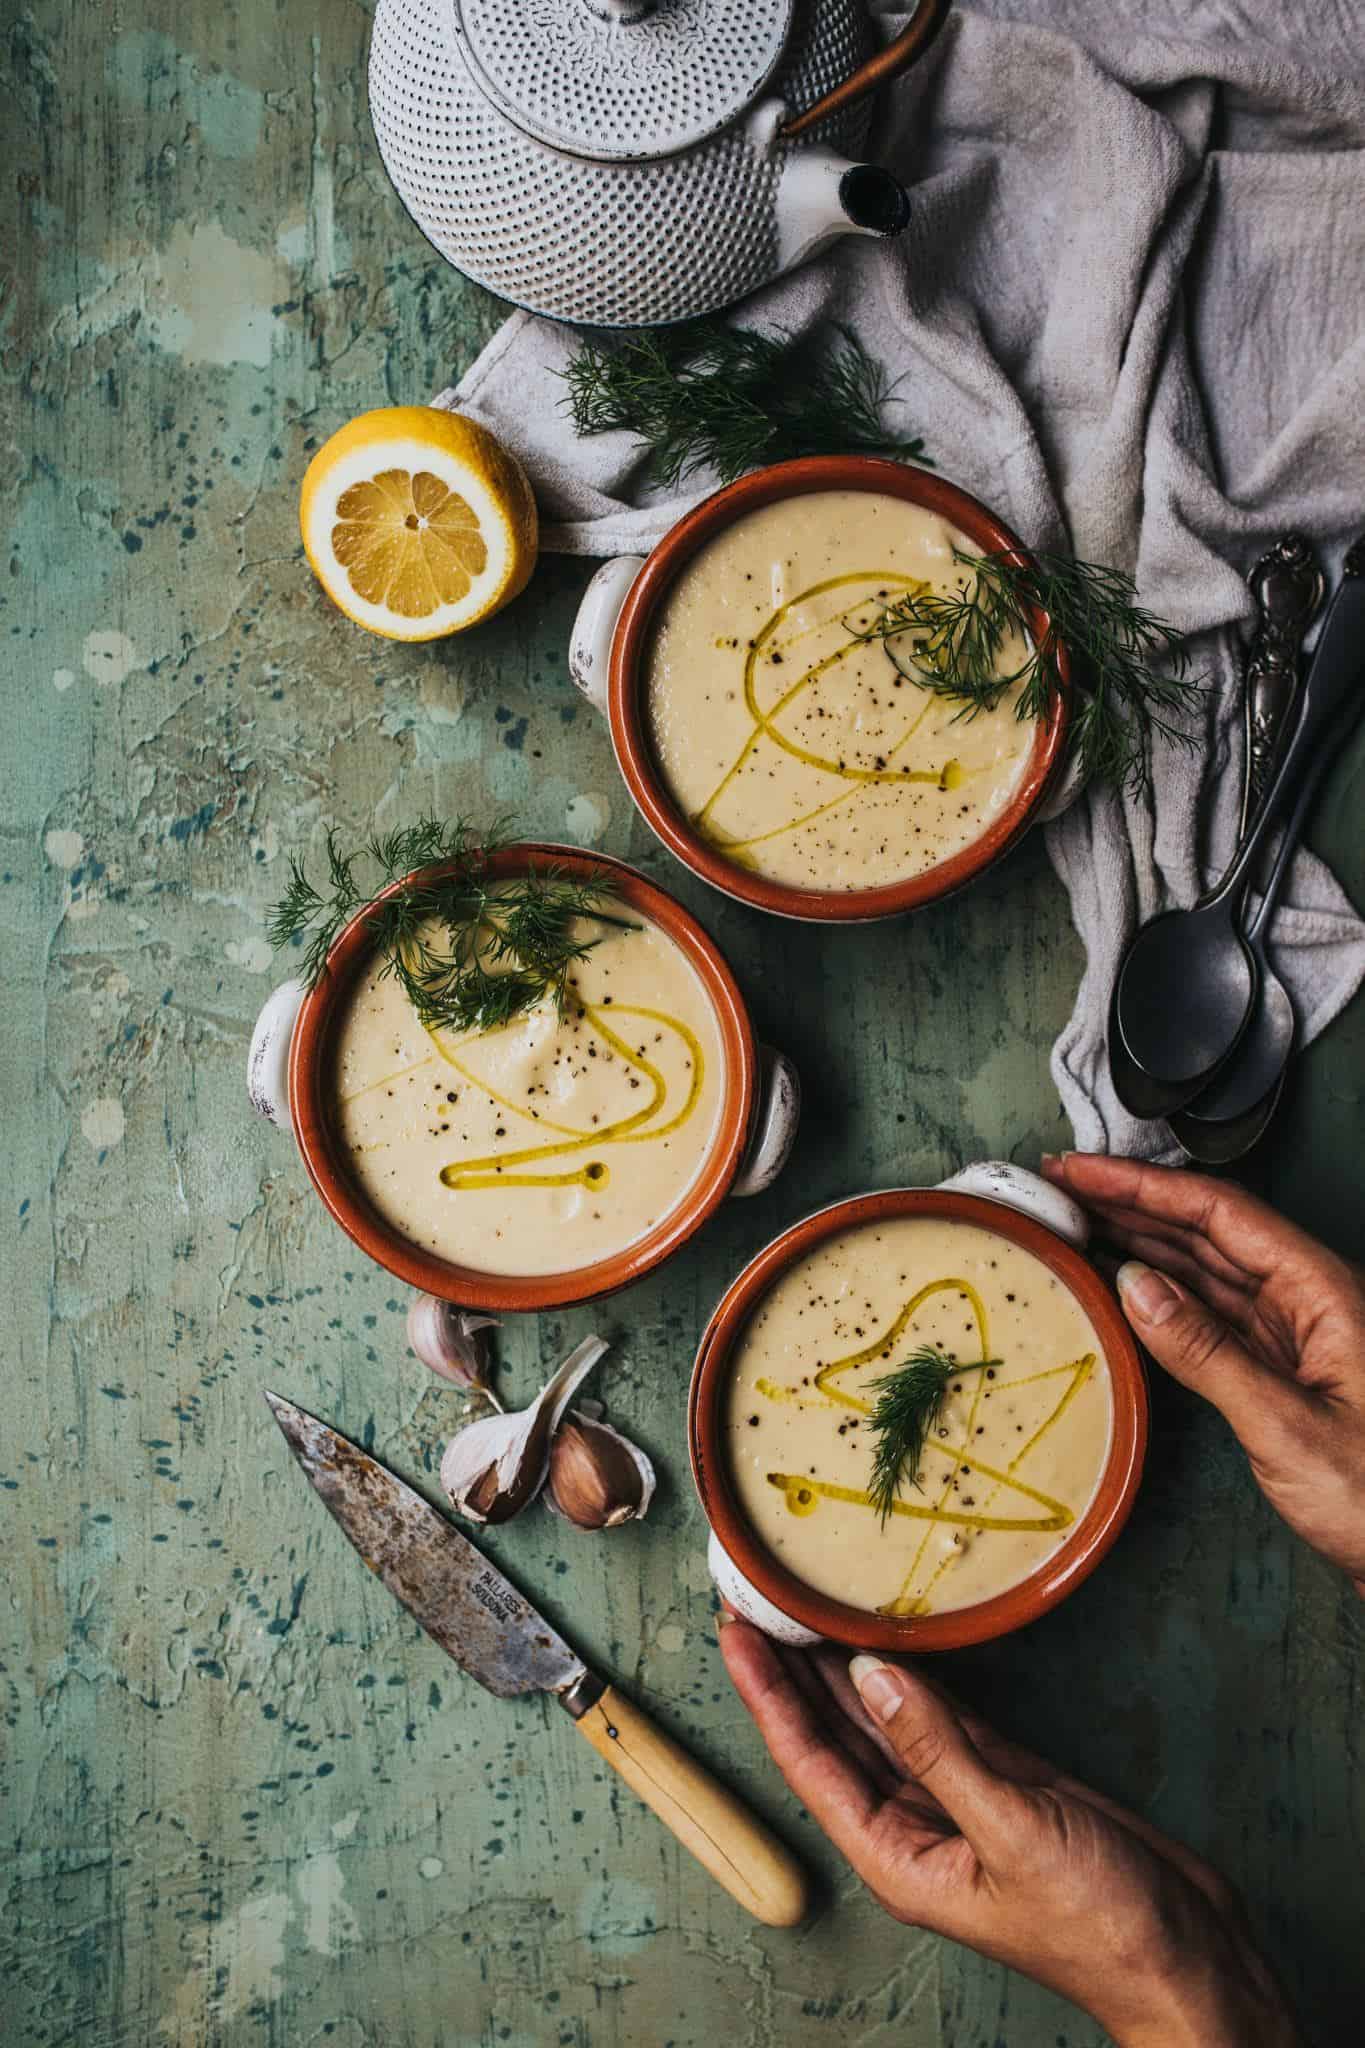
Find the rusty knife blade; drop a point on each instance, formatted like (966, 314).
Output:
(462, 1601)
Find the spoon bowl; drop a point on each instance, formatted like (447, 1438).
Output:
(1243, 1083)
(1184, 995)
(1229, 1116)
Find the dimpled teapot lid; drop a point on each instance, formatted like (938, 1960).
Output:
(621, 79)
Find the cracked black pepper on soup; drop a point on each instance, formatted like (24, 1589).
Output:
(798, 749)
(547, 1143)
(1010, 1462)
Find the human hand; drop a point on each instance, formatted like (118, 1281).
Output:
(956, 1830)
(1256, 1316)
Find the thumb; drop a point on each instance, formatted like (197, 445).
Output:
(1199, 1349)
(937, 1752)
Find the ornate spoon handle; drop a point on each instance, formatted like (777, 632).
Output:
(1333, 678)
(1288, 587)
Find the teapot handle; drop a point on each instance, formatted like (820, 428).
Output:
(899, 54)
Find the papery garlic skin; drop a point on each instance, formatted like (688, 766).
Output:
(450, 1342)
(598, 1479)
(495, 1467)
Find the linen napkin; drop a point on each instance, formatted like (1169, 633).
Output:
(1127, 313)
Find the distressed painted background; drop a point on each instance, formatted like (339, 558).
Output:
(245, 1801)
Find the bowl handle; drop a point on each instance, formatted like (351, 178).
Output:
(267, 1063)
(595, 626)
(1068, 786)
(775, 1125)
(999, 1180)
(745, 1598)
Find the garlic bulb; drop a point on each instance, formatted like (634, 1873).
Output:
(497, 1466)
(451, 1342)
(598, 1478)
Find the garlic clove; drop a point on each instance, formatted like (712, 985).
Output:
(496, 1467)
(450, 1341)
(598, 1479)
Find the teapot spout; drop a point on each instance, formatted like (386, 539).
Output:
(822, 195)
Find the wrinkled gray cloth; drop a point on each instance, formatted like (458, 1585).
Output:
(1127, 313)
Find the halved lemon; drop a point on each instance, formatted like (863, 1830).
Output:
(418, 522)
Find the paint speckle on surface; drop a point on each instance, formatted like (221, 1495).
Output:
(294, 242)
(65, 849)
(329, 1923)
(108, 655)
(670, 1639)
(616, 1916)
(243, 1955)
(109, 997)
(103, 1123)
(158, 82)
(444, 705)
(203, 298)
(215, 301)
(430, 1867)
(62, 679)
(254, 954)
(696, 1572)
(238, 1970)
(587, 816)
(264, 845)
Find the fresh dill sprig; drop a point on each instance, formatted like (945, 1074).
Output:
(908, 1404)
(306, 916)
(708, 396)
(1135, 668)
(469, 951)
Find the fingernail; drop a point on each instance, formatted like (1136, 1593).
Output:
(1149, 1294)
(723, 1618)
(877, 1689)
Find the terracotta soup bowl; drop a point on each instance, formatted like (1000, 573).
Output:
(290, 1081)
(1013, 1205)
(609, 659)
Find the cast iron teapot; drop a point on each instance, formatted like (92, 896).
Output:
(624, 163)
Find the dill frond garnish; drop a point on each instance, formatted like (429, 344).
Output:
(470, 951)
(1134, 666)
(908, 1404)
(708, 396)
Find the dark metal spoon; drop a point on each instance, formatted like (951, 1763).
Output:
(1226, 1118)
(1287, 587)
(1187, 986)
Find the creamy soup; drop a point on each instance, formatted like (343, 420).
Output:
(1011, 1462)
(551, 1142)
(797, 748)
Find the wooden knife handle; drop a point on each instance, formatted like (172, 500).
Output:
(713, 1824)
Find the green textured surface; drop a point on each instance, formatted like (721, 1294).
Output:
(246, 1802)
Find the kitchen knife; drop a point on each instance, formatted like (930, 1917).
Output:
(478, 1617)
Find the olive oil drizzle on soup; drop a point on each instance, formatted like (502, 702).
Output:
(790, 740)
(546, 1144)
(1011, 1463)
